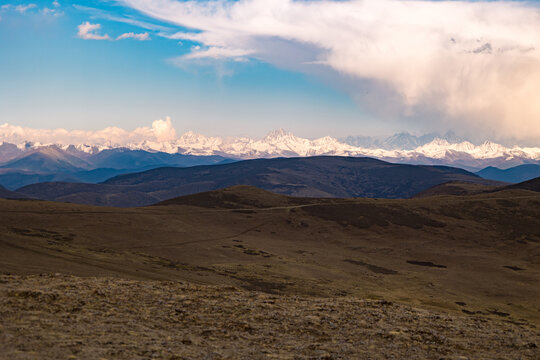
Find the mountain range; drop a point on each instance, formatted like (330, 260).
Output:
(430, 149)
(338, 177)
(29, 163)
(53, 163)
(399, 141)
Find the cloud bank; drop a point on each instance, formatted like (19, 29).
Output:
(471, 66)
(160, 131)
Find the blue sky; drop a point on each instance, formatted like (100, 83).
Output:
(214, 71)
(51, 78)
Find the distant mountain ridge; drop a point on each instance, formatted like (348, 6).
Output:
(429, 149)
(399, 141)
(53, 163)
(513, 175)
(306, 177)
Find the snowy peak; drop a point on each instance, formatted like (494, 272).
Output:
(402, 147)
(278, 135)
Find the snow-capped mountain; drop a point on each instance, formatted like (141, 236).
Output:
(399, 141)
(446, 150)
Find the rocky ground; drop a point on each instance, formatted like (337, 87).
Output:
(65, 317)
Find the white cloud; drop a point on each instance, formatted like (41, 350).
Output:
(51, 12)
(130, 35)
(101, 14)
(215, 52)
(475, 65)
(160, 131)
(23, 8)
(88, 31)
(56, 3)
(163, 130)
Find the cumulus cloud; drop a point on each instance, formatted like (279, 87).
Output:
(468, 65)
(160, 131)
(88, 31)
(163, 130)
(130, 35)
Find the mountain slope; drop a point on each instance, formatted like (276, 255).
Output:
(53, 164)
(515, 174)
(123, 158)
(14, 179)
(9, 152)
(532, 185)
(474, 255)
(49, 159)
(457, 188)
(92, 194)
(339, 177)
(237, 197)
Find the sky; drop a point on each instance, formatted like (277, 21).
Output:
(245, 67)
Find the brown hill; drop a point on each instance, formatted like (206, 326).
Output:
(281, 276)
(482, 250)
(457, 188)
(531, 185)
(238, 197)
(468, 188)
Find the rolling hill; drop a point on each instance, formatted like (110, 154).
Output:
(458, 188)
(476, 255)
(339, 177)
(531, 185)
(410, 279)
(49, 159)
